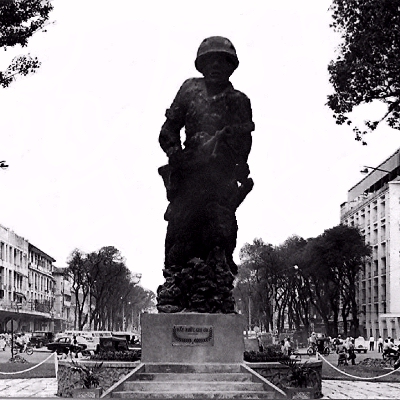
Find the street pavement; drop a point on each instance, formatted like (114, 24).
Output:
(331, 389)
(359, 389)
(34, 387)
(47, 388)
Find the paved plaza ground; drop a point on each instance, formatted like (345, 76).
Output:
(331, 389)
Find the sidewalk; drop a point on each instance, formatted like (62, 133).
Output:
(359, 390)
(34, 387)
(331, 389)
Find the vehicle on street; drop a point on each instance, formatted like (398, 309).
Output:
(360, 345)
(113, 343)
(65, 344)
(89, 342)
(133, 339)
(312, 349)
(17, 350)
(41, 338)
(93, 337)
(322, 345)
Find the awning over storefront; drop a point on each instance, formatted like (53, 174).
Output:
(21, 295)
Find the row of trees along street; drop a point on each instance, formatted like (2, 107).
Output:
(102, 284)
(300, 278)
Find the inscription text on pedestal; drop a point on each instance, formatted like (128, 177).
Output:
(192, 335)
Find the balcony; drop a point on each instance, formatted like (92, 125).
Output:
(27, 307)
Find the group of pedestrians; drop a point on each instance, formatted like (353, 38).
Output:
(379, 343)
(20, 340)
(384, 346)
(286, 347)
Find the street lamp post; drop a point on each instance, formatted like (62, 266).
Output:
(17, 307)
(365, 170)
(249, 312)
(131, 307)
(90, 304)
(123, 315)
(135, 280)
(90, 307)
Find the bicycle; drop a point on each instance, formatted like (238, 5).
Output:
(294, 354)
(17, 350)
(391, 357)
(312, 350)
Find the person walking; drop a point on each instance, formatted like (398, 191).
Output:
(371, 343)
(352, 353)
(288, 347)
(380, 344)
(283, 348)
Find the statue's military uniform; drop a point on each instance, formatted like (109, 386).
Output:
(206, 181)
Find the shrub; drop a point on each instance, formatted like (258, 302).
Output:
(271, 353)
(129, 356)
(89, 374)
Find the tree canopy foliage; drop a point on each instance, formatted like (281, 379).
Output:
(367, 68)
(287, 285)
(19, 20)
(103, 284)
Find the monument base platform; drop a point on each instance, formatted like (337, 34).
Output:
(192, 338)
(193, 356)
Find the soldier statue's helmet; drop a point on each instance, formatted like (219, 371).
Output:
(215, 44)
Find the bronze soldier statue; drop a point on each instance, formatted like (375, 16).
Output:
(206, 179)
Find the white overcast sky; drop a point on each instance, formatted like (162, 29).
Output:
(81, 135)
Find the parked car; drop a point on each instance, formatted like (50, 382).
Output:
(65, 344)
(89, 342)
(92, 337)
(360, 345)
(133, 339)
(112, 343)
(41, 338)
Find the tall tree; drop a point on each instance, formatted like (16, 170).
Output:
(19, 20)
(77, 272)
(254, 283)
(333, 262)
(323, 288)
(367, 68)
(290, 297)
(103, 287)
(346, 253)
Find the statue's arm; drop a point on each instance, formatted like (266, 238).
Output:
(242, 128)
(170, 136)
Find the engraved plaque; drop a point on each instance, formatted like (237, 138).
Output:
(192, 335)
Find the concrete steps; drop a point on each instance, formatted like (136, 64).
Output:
(195, 382)
(205, 395)
(189, 377)
(196, 385)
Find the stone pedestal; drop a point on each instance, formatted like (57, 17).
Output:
(192, 338)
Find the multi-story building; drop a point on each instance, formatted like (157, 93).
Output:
(63, 317)
(373, 205)
(27, 286)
